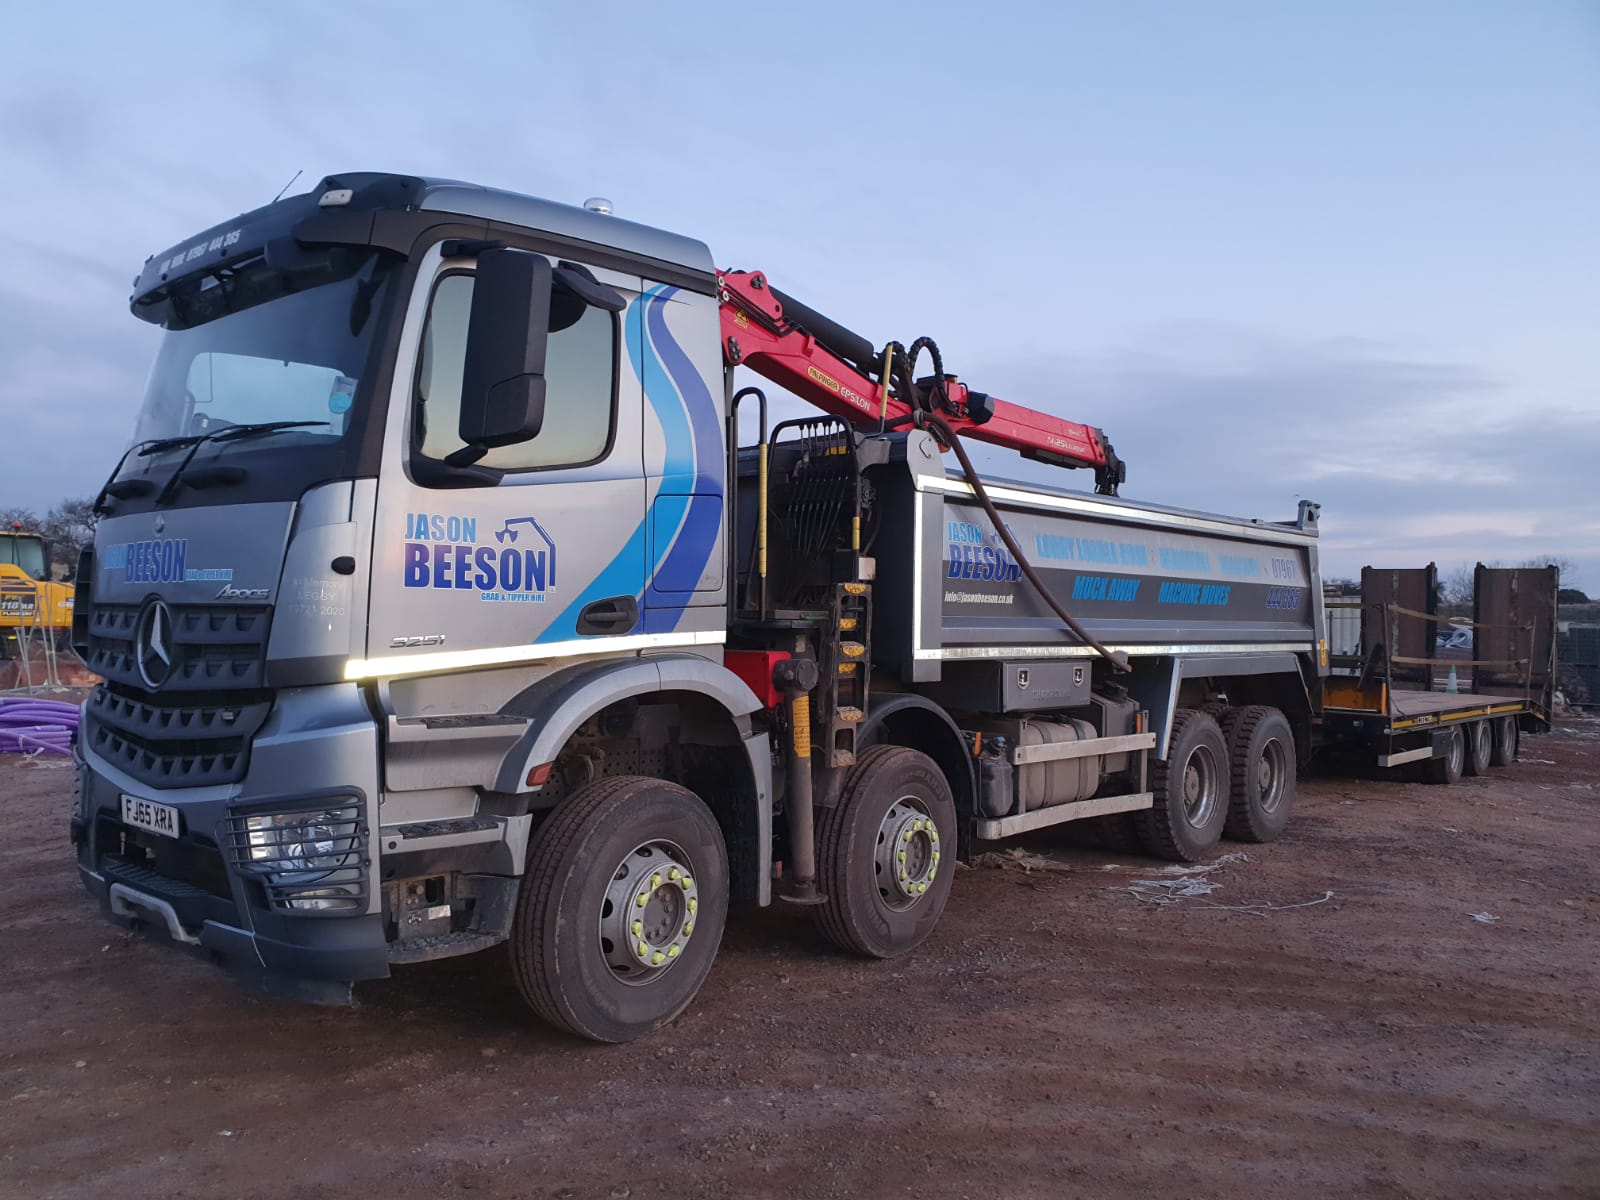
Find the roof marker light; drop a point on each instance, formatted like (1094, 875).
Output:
(335, 198)
(598, 204)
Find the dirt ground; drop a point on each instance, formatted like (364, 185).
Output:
(1059, 1036)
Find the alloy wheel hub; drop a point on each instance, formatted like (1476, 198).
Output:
(907, 857)
(649, 912)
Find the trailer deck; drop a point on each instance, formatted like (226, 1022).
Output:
(1403, 708)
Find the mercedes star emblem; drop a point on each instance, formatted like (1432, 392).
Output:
(153, 644)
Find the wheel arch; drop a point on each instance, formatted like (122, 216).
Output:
(1274, 680)
(907, 719)
(716, 702)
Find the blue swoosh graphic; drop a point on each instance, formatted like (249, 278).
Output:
(697, 533)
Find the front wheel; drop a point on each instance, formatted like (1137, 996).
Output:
(622, 908)
(886, 853)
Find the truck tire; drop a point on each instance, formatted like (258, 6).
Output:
(622, 908)
(1191, 791)
(1118, 833)
(1262, 760)
(886, 853)
(1480, 747)
(1448, 768)
(1503, 745)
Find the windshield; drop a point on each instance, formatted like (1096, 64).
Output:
(259, 343)
(24, 552)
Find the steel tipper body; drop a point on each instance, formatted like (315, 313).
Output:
(1158, 584)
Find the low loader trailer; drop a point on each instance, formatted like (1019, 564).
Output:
(1390, 707)
(439, 607)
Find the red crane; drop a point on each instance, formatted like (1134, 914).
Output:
(841, 373)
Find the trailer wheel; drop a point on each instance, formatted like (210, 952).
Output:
(622, 908)
(1480, 747)
(1191, 791)
(1503, 746)
(886, 853)
(1448, 768)
(1261, 754)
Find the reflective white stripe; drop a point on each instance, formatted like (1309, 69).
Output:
(1133, 651)
(1104, 507)
(494, 656)
(917, 577)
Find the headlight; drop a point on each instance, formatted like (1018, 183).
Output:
(314, 841)
(313, 862)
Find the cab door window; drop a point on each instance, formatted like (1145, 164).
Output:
(580, 386)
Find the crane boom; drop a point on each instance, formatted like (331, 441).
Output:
(839, 371)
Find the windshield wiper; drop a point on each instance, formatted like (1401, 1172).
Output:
(232, 433)
(157, 445)
(149, 446)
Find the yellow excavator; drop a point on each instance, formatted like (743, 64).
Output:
(29, 598)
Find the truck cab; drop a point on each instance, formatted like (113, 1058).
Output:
(341, 644)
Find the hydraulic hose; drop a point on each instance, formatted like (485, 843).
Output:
(929, 419)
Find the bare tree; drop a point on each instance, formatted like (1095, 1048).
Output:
(70, 527)
(1563, 564)
(24, 517)
(1458, 585)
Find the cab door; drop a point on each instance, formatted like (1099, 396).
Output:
(538, 552)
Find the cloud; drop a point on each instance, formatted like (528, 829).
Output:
(1411, 460)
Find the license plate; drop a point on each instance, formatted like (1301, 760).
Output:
(147, 814)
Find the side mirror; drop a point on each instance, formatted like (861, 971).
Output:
(502, 387)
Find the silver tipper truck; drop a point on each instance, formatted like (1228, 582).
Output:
(437, 607)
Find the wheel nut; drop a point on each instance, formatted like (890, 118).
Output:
(657, 959)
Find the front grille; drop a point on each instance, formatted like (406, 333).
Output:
(215, 648)
(313, 865)
(190, 744)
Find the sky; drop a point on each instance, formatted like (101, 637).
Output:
(1340, 250)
